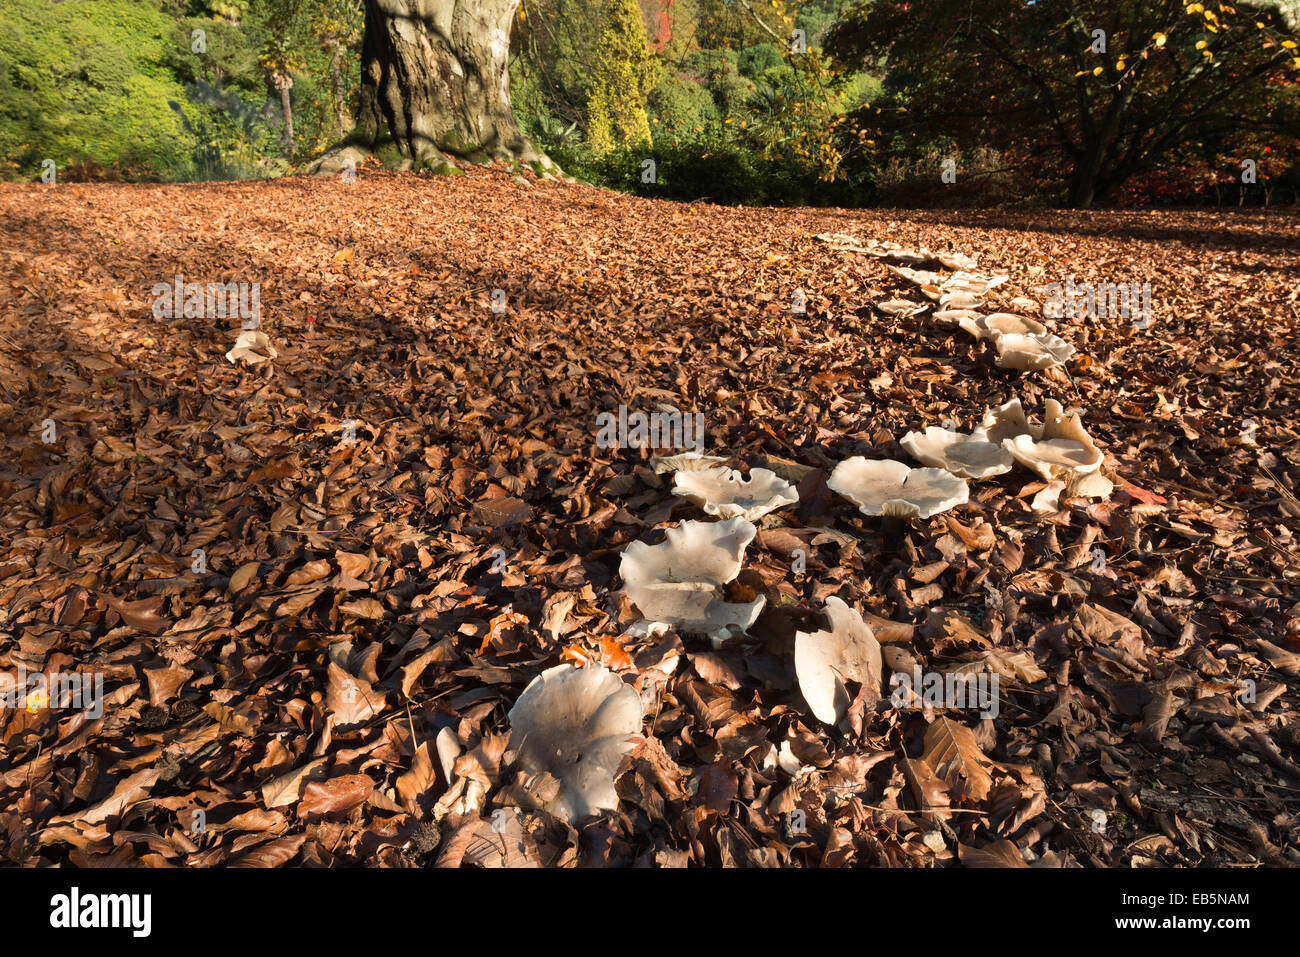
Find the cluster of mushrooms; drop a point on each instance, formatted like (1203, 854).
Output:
(1022, 343)
(576, 724)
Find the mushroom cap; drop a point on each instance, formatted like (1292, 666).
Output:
(922, 277)
(966, 456)
(892, 250)
(678, 582)
(696, 608)
(576, 724)
(1008, 323)
(1051, 458)
(709, 552)
(1005, 421)
(975, 281)
(960, 299)
(901, 307)
(959, 317)
(1060, 447)
(956, 260)
(823, 660)
(253, 346)
(727, 493)
(840, 240)
(685, 462)
(1030, 353)
(886, 487)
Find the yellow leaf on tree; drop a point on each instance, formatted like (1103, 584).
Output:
(1160, 39)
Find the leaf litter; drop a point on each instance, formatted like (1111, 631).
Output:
(316, 581)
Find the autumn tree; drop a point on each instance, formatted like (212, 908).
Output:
(1083, 92)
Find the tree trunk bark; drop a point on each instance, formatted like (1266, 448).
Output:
(435, 84)
(283, 82)
(336, 69)
(1081, 189)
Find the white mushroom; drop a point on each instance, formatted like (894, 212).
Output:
(841, 241)
(1048, 497)
(1008, 420)
(1054, 457)
(921, 277)
(956, 260)
(974, 282)
(679, 581)
(1059, 448)
(998, 324)
(253, 346)
(967, 456)
(685, 462)
(824, 660)
(898, 253)
(901, 307)
(1008, 323)
(727, 493)
(1029, 353)
(960, 299)
(956, 317)
(886, 487)
(576, 723)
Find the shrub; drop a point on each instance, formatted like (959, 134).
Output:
(85, 82)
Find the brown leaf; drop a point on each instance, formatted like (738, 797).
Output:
(288, 787)
(502, 512)
(129, 791)
(950, 749)
(1000, 853)
(349, 699)
(335, 795)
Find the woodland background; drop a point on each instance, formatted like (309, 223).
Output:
(715, 91)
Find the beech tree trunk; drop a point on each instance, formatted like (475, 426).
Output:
(435, 84)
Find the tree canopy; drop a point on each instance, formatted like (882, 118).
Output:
(1084, 94)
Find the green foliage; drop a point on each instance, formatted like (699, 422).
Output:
(761, 61)
(719, 72)
(680, 107)
(722, 105)
(84, 81)
(129, 86)
(734, 116)
(623, 75)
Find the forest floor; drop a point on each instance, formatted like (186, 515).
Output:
(203, 535)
